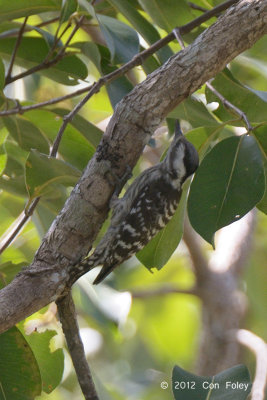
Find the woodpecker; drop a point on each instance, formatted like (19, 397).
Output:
(146, 207)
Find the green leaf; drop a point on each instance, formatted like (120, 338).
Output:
(20, 375)
(3, 155)
(33, 50)
(68, 8)
(2, 75)
(195, 112)
(3, 159)
(229, 183)
(43, 172)
(27, 135)
(231, 384)
(90, 50)
(122, 40)
(80, 138)
(8, 271)
(51, 363)
(167, 14)
(17, 8)
(145, 28)
(118, 88)
(89, 131)
(158, 251)
(261, 136)
(239, 95)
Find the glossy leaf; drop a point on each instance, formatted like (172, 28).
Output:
(141, 24)
(26, 134)
(239, 95)
(43, 172)
(122, 40)
(51, 363)
(167, 14)
(17, 8)
(33, 50)
(229, 183)
(195, 112)
(158, 251)
(231, 384)
(20, 375)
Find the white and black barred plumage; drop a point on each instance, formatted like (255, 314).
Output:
(147, 206)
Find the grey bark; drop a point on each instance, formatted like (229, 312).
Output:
(132, 124)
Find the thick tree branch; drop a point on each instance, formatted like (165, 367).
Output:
(132, 124)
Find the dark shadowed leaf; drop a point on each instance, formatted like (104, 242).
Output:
(118, 88)
(20, 375)
(122, 40)
(141, 24)
(229, 183)
(231, 384)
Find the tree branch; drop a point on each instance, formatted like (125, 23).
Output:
(259, 348)
(134, 120)
(67, 316)
(162, 291)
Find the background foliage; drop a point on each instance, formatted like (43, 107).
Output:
(144, 338)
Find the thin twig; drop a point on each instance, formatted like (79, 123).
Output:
(50, 21)
(259, 348)
(230, 106)
(139, 58)
(47, 63)
(22, 222)
(20, 34)
(196, 6)
(162, 291)
(68, 319)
